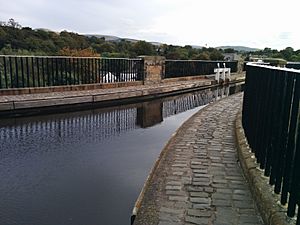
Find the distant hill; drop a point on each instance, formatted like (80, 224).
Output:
(197, 46)
(117, 39)
(239, 48)
(106, 37)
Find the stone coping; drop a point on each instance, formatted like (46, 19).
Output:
(273, 213)
(21, 104)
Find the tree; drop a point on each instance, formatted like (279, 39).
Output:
(143, 48)
(287, 53)
(12, 23)
(202, 56)
(229, 50)
(216, 55)
(88, 52)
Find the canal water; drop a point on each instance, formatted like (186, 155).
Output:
(87, 167)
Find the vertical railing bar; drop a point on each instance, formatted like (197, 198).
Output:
(33, 73)
(72, 62)
(61, 72)
(22, 72)
(86, 70)
(0, 77)
(27, 72)
(52, 71)
(11, 72)
(38, 71)
(43, 73)
(66, 72)
(99, 71)
(5, 72)
(103, 71)
(93, 70)
(89, 70)
(286, 110)
(17, 71)
(56, 72)
(290, 143)
(78, 70)
(48, 72)
(82, 71)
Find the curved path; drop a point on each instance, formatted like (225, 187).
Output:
(198, 180)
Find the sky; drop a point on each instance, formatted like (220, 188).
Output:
(211, 23)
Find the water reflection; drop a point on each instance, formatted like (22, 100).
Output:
(86, 167)
(108, 122)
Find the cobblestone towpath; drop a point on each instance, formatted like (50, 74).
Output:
(198, 179)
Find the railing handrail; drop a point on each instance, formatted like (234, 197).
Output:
(273, 67)
(196, 60)
(67, 57)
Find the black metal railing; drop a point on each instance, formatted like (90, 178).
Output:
(293, 65)
(40, 71)
(271, 120)
(182, 68)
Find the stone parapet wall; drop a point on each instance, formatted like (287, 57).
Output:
(81, 87)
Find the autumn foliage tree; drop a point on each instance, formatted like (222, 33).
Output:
(87, 52)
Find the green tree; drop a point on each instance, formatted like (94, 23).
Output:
(229, 50)
(202, 56)
(216, 55)
(143, 48)
(287, 53)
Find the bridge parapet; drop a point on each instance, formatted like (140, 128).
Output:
(17, 72)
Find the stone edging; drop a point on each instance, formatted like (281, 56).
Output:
(268, 203)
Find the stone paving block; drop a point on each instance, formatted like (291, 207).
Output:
(219, 196)
(176, 193)
(198, 175)
(169, 217)
(178, 173)
(221, 202)
(199, 213)
(201, 206)
(176, 183)
(199, 183)
(244, 204)
(199, 194)
(200, 200)
(172, 210)
(174, 188)
(178, 198)
(201, 179)
(208, 189)
(194, 188)
(196, 220)
(179, 165)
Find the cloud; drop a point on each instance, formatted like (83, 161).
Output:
(215, 22)
(284, 35)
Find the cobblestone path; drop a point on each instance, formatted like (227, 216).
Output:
(199, 181)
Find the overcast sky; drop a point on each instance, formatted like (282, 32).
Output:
(254, 23)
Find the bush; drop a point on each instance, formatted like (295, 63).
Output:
(275, 61)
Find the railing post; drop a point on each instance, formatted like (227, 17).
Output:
(154, 69)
